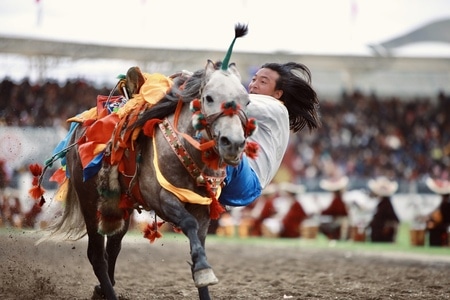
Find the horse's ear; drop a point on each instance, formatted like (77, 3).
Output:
(233, 69)
(210, 68)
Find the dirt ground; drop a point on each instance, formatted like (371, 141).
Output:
(160, 271)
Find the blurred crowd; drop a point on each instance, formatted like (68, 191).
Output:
(363, 136)
(47, 104)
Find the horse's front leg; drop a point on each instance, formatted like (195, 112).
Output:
(176, 213)
(202, 272)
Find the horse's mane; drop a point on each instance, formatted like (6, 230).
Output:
(185, 88)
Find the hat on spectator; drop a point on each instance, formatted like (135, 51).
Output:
(382, 186)
(334, 184)
(438, 186)
(292, 188)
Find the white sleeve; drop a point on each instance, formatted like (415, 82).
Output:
(272, 135)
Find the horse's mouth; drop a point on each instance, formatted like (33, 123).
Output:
(232, 161)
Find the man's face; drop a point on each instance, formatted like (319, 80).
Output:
(264, 82)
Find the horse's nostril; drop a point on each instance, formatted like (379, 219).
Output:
(224, 141)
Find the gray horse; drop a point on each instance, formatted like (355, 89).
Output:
(219, 101)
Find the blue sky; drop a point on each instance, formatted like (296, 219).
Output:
(298, 26)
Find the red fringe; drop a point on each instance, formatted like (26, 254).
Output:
(36, 169)
(149, 127)
(59, 176)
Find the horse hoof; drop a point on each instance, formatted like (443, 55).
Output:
(204, 278)
(97, 293)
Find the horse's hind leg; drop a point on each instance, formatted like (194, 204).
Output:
(98, 259)
(113, 247)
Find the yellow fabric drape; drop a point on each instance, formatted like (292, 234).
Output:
(184, 195)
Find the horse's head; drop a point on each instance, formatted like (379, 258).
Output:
(223, 100)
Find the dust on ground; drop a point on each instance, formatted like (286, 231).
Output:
(61, 270)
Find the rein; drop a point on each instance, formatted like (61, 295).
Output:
(199, 146)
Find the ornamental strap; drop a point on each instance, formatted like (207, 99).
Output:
(187, 161)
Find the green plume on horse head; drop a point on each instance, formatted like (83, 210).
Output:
(240, 30)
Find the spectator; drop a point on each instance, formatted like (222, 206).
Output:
(438, 223)
(262, 209)
(335, 226)
(288, 213)
(11, 208)
(385, 221)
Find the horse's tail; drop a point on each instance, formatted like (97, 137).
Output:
(70, 226)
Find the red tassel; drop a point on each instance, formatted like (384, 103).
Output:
(251, 149)
(36, 170)
(152, 233)
(35, 181)
(36, 192)
(215, 209)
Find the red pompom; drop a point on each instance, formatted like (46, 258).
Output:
(250, 127)
(195, 105)
(35, 169)
(230, 108)
(251, 149)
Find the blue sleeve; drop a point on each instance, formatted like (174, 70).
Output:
(242, 186)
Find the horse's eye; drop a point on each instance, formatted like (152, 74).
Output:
(209, 99)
